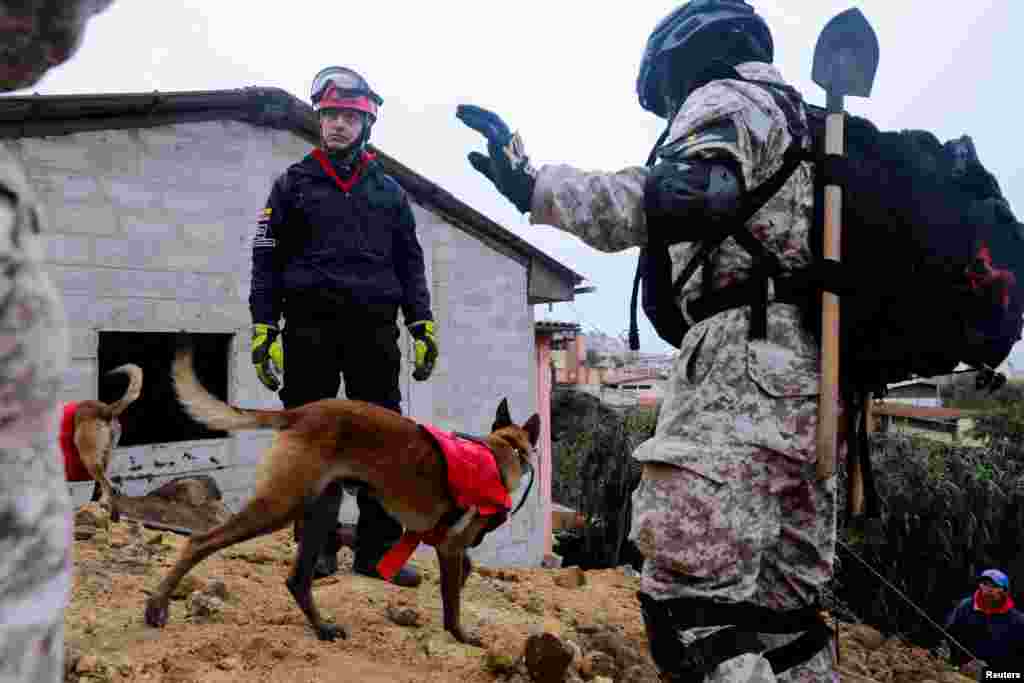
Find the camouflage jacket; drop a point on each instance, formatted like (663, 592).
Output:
(37, 35)
(35, 507)
(725, 391)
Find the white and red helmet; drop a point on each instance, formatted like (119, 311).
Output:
(339, 88)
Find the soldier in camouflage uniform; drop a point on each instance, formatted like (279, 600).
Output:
(729, 513)
(35, 507)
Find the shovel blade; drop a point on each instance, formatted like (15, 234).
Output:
(846, 55)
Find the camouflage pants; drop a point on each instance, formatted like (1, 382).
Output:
(35, 506)
(767, 538)
(32, 654)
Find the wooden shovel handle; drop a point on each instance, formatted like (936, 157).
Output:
(828, 400)
(854, 470)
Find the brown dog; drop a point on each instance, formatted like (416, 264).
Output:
(89, 440)
(335, 439)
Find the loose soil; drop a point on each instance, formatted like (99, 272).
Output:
(258, 634)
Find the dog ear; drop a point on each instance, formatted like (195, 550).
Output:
(532, 427)
(502, 417)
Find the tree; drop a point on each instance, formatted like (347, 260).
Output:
(1001, 422)
(595, 472)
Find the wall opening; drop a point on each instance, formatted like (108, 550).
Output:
(157, 417)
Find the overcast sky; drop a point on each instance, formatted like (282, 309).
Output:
(562, 72)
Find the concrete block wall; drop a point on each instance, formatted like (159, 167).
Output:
(487, 353)
(485, 334)
(149, 230)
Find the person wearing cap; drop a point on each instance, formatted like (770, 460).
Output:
(335, 254)
(989, 625)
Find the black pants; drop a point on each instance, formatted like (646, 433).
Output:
(362, 347)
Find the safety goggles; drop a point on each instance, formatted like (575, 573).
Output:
(347, 85)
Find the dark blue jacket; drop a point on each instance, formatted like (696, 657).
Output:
(997, 639)
(317, 243)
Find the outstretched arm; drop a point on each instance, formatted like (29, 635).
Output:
(605, 210)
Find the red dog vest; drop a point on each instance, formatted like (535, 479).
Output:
(74, 470)
(473, 479)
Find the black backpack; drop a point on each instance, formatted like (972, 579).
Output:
(931, 270)
(932, 261)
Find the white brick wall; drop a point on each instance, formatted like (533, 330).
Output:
(148, 230)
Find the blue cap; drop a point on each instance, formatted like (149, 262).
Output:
(995, 576)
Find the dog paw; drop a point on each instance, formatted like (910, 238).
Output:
(331, 632)
(156, 614)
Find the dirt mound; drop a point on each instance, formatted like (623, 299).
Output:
(183, 505)
(233, 619)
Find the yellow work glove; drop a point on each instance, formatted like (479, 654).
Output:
(268, 355)
(425, 347)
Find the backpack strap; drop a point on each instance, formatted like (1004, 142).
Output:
(766, 263)
(634, 330)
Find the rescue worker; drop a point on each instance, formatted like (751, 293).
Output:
(35, 506)
(737, 533)
(336, 255)
(988, 624)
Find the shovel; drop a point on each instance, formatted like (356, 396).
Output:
(845, 61)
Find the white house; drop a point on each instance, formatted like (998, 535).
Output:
(151, 201)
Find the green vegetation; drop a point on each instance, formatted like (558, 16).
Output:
(594, 471)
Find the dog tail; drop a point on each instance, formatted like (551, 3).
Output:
(206, 408)
(133, 391)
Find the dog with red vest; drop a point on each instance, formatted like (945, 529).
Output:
(89, 433)
(447, 490)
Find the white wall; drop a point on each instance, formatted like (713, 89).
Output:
(149, 229)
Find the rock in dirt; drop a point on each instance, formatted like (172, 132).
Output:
(194, 491)
(203, 607)
(404, 616)
(867, 636)
(217, 588)
(611, 641)
(573, 577)
(598, 663)
(577, 655)
(640, 674)
(87, 664)
(91, 514)
(547, 658)
(229, 664)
